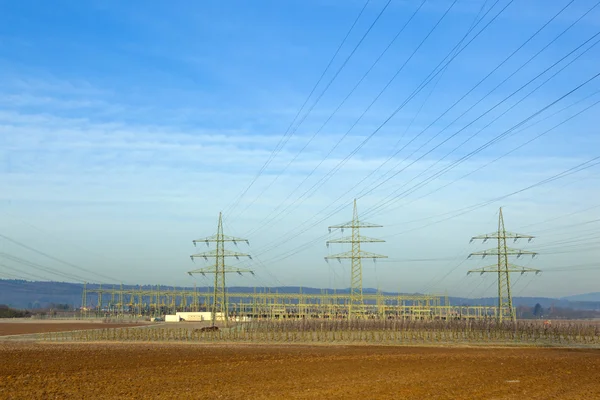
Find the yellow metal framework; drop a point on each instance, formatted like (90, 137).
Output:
(264, 303)
(219, 270)
(355, 307)
(503, 268)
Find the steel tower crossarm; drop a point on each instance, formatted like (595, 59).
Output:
(360, 254)
(509, 251)
(355, 224)
(350, 239)
(225, 238)
(227, 270)
(511, 268)
(223, 253)
(509, 235)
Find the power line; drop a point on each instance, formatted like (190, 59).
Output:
(560, 217)
(570, 242)
(514, 127)
(395, 148)
(476, 21)
(42, 267)
(284, 139)
(34, 276)
(296, 250)
(461, 254)
(390, 199)
(426, 81)
(576, 267)
(55, 258)
(538, 53)
(258, 259)
(453, 165)
(574, 250)
(456, 213)
(331, 116)
(589, 231)
(52, 236)
(570, 225)
(485, 96)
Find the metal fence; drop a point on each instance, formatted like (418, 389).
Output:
(353, 332)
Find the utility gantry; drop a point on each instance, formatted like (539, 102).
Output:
(503, 268)
(356, 304)
(219, 269)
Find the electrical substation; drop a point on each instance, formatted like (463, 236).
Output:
(219, 304)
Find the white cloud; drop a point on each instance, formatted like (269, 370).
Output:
(154, 187)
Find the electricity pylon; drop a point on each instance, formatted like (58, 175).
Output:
(356, 255)
(219, 269)
(504, 268)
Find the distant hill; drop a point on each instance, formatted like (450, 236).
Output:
(31, 295)
(517, 301)
(584, 297)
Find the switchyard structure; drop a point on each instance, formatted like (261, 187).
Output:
(503, 268)
(356, 254)
(268, 303)
(219, 269)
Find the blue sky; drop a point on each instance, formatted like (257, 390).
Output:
(125, 127)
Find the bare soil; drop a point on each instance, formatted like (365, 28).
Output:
(192, 371)
(20, 328)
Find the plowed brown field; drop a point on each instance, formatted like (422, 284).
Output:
(18, 328)
(188, 371)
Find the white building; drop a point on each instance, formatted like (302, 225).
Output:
(193, 317)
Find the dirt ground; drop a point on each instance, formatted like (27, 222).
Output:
(19, 328)
(192, 371)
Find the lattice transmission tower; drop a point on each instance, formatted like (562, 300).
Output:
(219, 269)
(503, 268)
(356, 304)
